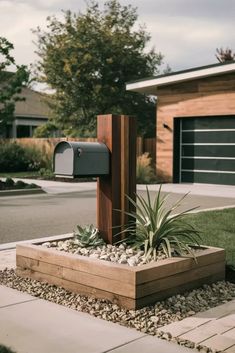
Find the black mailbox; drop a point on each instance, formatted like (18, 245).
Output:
(81, 159)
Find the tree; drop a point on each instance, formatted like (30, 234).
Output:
(225, 55)
(10, 84)
(87, 58)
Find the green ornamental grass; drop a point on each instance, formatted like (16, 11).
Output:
(153, 228)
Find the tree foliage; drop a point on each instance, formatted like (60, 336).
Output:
(10, 83)
(87, 58)
(225, 55)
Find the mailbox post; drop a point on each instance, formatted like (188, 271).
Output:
(113, 160)
(118, 132)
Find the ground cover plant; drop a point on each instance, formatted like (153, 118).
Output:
(10, 184)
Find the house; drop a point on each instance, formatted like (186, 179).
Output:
(195, 123)
(29, 114)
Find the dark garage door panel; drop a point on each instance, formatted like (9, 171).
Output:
(208, 164)
(212, 136)
(212, 122)
(208, 178)
(207, 150)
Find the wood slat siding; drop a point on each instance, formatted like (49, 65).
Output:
(130, 287)
(213, 96)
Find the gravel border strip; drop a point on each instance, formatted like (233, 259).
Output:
(148, 320)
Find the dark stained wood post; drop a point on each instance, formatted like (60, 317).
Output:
(118, 132)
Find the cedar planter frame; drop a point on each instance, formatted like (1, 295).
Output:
(129, 287)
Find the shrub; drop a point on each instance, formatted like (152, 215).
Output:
(88, 237)
(31, 186)
(154, 228)
(34, 157)
(4, 349)
(43, 172)
(144, 171)
(9, 182)
(20, 184)
(12, 158)
(50, 129)
(17, 158)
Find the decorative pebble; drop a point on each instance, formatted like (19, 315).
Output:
(121, 254)
(149, 319)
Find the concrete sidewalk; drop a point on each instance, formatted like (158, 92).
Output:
(57, 187)
(31, 325)
(54, 328)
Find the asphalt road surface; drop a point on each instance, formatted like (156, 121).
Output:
(36, 216)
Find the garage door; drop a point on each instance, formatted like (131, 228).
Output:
(207, 150)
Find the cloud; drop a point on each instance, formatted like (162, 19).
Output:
(186, 8)
(187, 32)
(187, 39)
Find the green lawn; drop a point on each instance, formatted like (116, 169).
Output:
(217, 229)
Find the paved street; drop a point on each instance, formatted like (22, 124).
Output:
(35, 216)
(29, 217)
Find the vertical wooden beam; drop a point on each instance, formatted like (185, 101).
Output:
(118, 132)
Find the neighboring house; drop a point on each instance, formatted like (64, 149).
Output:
(195, 123)
(29, 114)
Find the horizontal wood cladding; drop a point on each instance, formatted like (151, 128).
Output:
(218, 83)
(211, 96)
(131, 287)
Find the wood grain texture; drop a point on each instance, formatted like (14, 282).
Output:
(153, 298)
(77, 262)
(119, 134)
(131, 287)
(178, 279)
(84, 278)
(77, 288)
(172, 266)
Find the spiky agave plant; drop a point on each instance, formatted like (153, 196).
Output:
(153, 227)
(88, 237)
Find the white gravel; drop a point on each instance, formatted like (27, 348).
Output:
(148, 320)
(121, 254)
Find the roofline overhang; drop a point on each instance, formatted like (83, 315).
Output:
(30, 116)
(149, 86)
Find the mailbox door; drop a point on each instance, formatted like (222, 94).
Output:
(64, 159)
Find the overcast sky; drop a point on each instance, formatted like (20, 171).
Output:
(186, 32)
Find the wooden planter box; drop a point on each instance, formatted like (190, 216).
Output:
(130, 287)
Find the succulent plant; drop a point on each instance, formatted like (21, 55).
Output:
(88, 237)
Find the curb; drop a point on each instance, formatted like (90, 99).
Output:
(12, 245)
(17, 192)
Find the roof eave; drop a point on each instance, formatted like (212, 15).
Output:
(150, 86)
